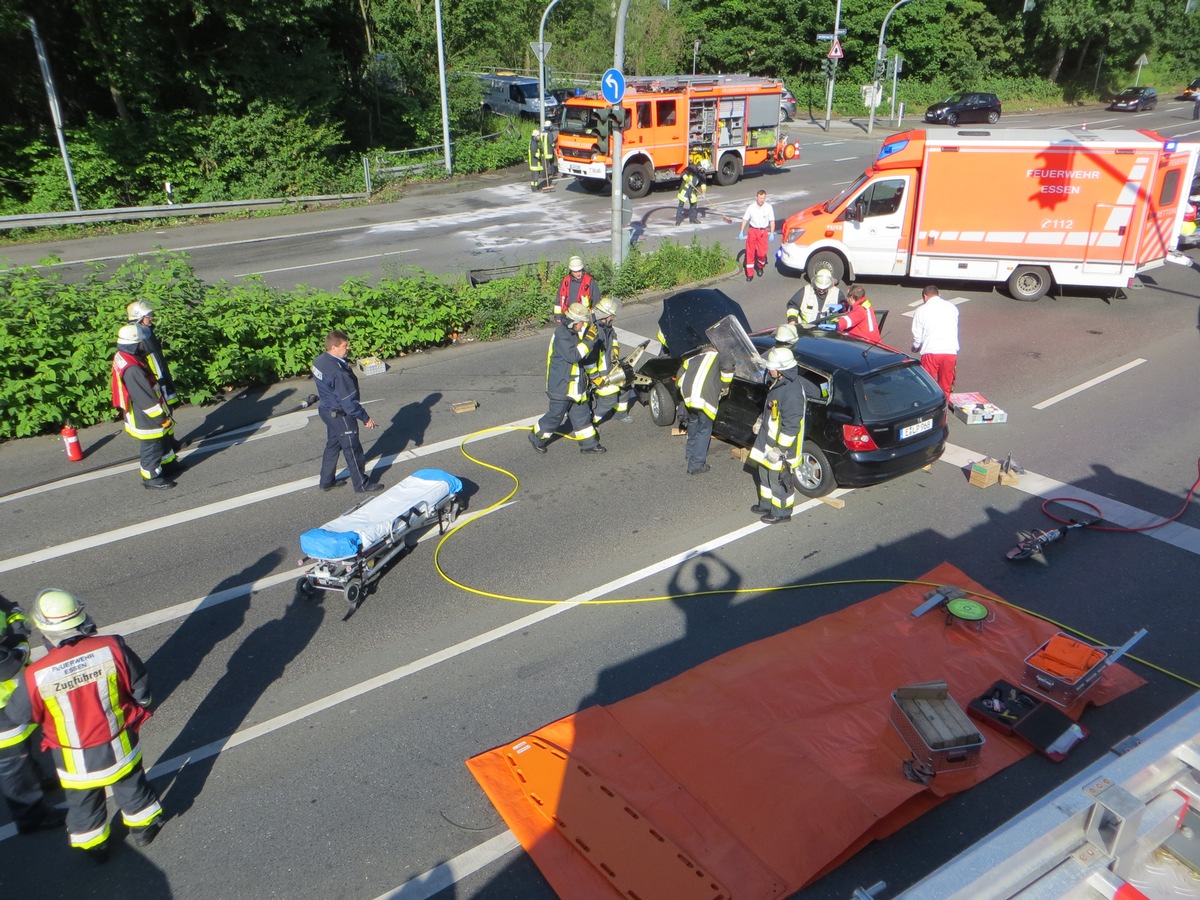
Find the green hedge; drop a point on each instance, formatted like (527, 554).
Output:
(59, 335)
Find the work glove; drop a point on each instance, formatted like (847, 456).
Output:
(771, 238)
(167, 423)
(724, 393)
(774, 455)
(590, 333)
(828, 326)
(757, 426)
(741, 235)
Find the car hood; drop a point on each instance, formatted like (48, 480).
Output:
(686, 315)
(937, 109)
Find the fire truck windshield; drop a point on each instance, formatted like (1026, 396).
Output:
(578, 120)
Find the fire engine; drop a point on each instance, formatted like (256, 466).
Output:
(721, 123)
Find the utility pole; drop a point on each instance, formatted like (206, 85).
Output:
(615, 141)
(437, 8)
(541, 50)
(881, 63)
(55, 112)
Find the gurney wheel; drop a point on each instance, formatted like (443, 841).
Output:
(304, 586)
(354, 590)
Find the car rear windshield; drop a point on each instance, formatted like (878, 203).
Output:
(895, 392)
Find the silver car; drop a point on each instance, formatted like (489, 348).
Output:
(787, 106)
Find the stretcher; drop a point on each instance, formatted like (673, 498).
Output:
(349, 553)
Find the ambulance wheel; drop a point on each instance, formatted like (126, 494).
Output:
(662, 405)
(814, 475)
(825, 259)
(592, 185)
(637, 180)
(354, 591)
(1029, 283)
(730, 170)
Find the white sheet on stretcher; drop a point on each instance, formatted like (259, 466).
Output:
(369, 524)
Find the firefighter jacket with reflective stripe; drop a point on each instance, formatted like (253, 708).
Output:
(14, 653)
(693, 185)
(539, 151)
(137, 393)
(573, 290)
(807, 307)
(91, 695)
(701, 380)
(157, 362)
(337, 387)
(566, 378)
(782, 431)
(604, 357)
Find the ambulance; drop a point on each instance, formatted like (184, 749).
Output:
(1028, 209)
(722, 123)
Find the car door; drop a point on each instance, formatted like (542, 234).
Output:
(875, 224)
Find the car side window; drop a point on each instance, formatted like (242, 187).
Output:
(816, 385)
(883, 197)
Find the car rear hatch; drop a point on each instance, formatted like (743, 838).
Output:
(900, 405)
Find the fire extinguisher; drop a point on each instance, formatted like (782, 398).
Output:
(71, 444)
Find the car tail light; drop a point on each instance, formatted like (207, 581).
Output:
(857, 437)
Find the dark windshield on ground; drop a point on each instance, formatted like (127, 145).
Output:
(893, 393)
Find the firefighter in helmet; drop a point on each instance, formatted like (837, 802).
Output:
(139, 396)
(566, 382)
(779, 438)
(610, 394)
(815, 302)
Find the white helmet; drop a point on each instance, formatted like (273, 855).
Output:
(606, 306)
(56, 610)
(823, 280)
(577, 312)
(127, 334)
(780, 359)
(138, 310)
(547, 125)
(786, 334)
(575, 264)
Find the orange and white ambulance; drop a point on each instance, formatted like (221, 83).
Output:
(723, 123)
(1025, 208)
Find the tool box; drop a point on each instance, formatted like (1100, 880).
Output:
(935, 730)
(975, 409)
(1012, 711)
(1046, 675)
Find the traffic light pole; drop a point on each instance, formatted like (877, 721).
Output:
(880, 65)
(614, 142)
(837, 23)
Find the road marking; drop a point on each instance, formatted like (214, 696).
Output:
(1087, 384)
(846, 158)
(450, 873)
(957, 301)
(212, 509)
(328, 262)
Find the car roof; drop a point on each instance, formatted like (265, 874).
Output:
(828, 350)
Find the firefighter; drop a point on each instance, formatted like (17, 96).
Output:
(603, 367)
(815, 302)
(780, 436)
(576, 287)
(786, 335)
(703, 380)
(91, 695)
(566, 382)
(692, 188)
(539, 160)
(20, 776)
(137, 393)
(550, 131)
(141, 314)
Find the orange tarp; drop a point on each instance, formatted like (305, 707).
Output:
(775, 762)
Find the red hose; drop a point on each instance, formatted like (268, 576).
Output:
(1186, 501)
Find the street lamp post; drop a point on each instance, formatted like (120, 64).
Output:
(880, 57)
(437, 8)
(695, 53)
(542, 62)
(837, 23)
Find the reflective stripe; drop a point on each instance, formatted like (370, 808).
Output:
(100, 777)
(143, 817)
(13, 736)
(85, 840)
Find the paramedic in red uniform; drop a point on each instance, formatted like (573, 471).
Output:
(859, 320)
(758, 228)
(935, 337)
(91, 695)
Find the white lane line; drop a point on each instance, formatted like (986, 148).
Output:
(1087, 384)
(212, 509)
(846, 158)
(1183, 537)
(450, 873)
(328, 262)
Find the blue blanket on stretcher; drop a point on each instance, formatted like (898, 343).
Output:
(365, 526)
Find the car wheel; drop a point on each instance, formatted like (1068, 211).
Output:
(730, 169)
(662, 405)
(814, 476)
(592, 185)
(1029, 283)
(636, 178)
(1138, 108)
(952, 119)
(993, 117)
(825, 259)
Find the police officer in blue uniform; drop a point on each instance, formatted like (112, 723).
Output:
(341, 412)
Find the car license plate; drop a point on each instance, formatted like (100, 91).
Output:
(913, 430)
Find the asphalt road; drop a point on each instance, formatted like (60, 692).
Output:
(302, 754)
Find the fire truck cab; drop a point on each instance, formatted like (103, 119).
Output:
(722, 123)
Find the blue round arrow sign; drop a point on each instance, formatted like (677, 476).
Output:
(612, 86)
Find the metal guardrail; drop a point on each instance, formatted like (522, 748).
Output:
(126, 213)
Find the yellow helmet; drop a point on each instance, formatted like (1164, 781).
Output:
(127, 334)
(577, 312)
(606, 306)
(780, 359)
(57, 610)
(575, 264)
(138, 310)
(823, 280)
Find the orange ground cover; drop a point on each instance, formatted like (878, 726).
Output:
(767, 766)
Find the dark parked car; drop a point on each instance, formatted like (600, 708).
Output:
(1135, 99)
(873, 412)
(787, 106)
(1192, 90)
(965, 108)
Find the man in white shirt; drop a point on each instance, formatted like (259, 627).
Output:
(759, 222)
(935, 337)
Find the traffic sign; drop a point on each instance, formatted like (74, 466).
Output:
(826, 36)
(835, 52)
(541, 51)
(612, 86)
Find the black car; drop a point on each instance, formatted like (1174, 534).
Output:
(1192, 91)
(965, 107)
(873, 412)
(1135, 99)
